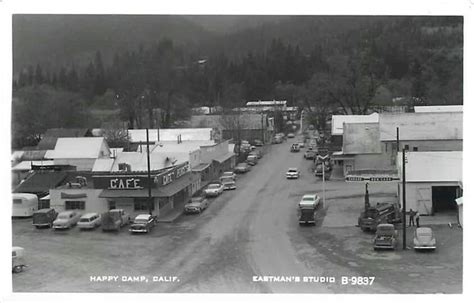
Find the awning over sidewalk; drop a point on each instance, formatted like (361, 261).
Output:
(200, 167)
(224, 158)
(128, 193)
(340, 156)
(177, 186)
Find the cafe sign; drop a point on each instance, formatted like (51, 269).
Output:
(172, 175)
(125, 183)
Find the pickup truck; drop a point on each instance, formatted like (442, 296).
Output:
(143, 223)
(307, 216)
(385, 237)
(114, 219)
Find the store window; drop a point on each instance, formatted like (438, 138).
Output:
(143, 205)
(407, 147)
(81, 205)
(112, 205)
(415, 148)
(43, 204)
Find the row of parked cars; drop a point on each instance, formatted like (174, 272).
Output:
(111, 220)
(227, 181)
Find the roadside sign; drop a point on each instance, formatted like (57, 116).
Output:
(371, 179)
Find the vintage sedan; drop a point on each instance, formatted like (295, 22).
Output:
(89, 221)
(142, 223)
(66, 219)
(214, 189)
(228, 183)
(385, 237)
(257, 142)
(242, 168)
(196, 205)
(424, 239)
(228, 174)
(292, 173)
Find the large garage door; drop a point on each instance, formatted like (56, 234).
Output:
(444, 198)
(423, 200)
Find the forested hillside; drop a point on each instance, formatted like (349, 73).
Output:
(327, 63)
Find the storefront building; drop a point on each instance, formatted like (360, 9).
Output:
(170, 189)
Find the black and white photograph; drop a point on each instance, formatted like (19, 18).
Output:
(235, 153)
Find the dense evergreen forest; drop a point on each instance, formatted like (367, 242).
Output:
(319, 63)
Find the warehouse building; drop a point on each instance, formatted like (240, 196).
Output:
(433, 181)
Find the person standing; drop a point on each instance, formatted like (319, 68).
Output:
(417, 219)
(411, 213)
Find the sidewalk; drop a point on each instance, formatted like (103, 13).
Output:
(170, 216)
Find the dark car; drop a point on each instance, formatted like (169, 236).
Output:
(44, 217)
(241, 168)
(196, 205)
(385, 237)
(310, 155)
(257, 143)
(143, 223)
(295, 148)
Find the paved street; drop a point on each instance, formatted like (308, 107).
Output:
(252, 231)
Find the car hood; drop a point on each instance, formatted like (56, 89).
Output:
(195, 204)
(61, 221)
(424, 239)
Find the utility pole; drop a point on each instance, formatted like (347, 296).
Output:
(150, 201)
(324, 175)
(404, 197)
(398, 140)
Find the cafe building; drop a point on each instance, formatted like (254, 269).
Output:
(167, 190)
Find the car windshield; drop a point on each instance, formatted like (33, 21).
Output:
(292, 170)
(308, 199)
(424, 233)
(228, 174)
(84, 220)
(63, 216)
(140, 220)
(196, 200)
(213, 186)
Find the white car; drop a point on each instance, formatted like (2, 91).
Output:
(89, 221)
(228, 183)
(214, 190)
(309, 201)
(66, 219)
(292, 173)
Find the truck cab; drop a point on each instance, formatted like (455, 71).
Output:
(114, 219)
(384, 212)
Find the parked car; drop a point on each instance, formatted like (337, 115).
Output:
(295, 148)
(301, 144)
(277, 139)
(228, 183)
(66, 219)
(214, 189)
(142, 223)
(252, 160)
(309, 201)
(18, 259)
(228, 174)
(257, 142)
(424, 239)
(257, 153)
(291, 135)
(89, 221)
(196, 205)
(242, 168)
(309, 155)
(385, 237)
(113, 219)
(44, 217)
(292, 173)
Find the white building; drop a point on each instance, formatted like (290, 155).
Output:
(81, 152)
(433, 181)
